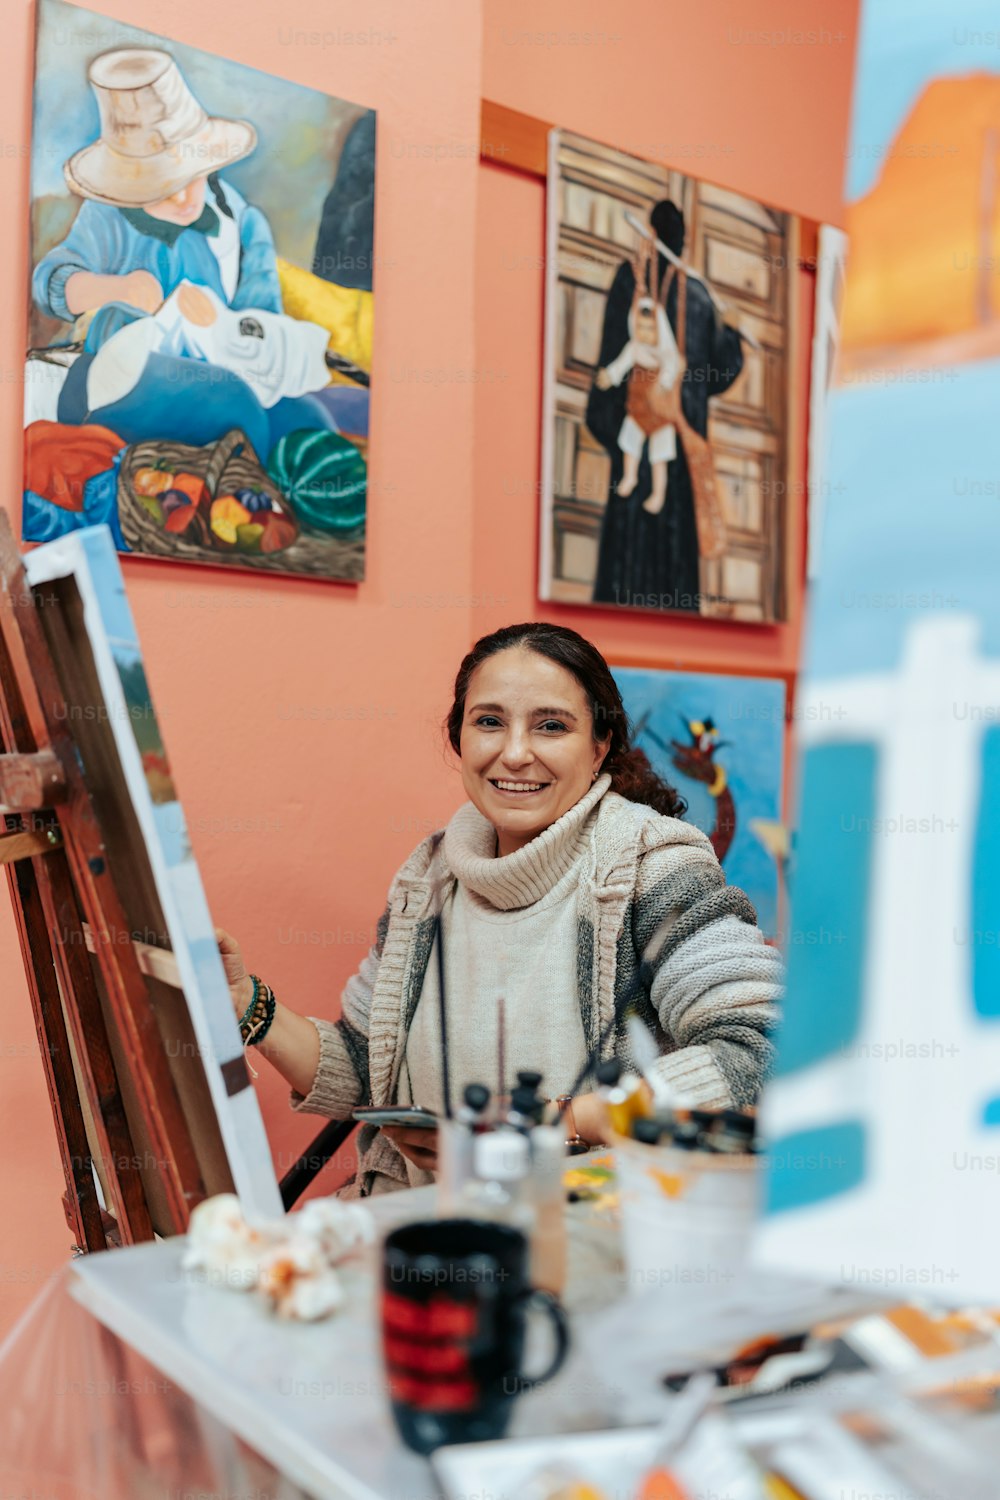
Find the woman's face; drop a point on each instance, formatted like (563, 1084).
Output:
(182, 207)
(527, 744)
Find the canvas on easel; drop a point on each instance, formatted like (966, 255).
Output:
(142, 1022)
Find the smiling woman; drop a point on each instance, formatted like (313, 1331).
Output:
(567, 873)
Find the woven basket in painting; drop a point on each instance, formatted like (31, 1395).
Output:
(227, 465)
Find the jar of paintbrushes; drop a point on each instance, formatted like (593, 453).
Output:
(689, 1183)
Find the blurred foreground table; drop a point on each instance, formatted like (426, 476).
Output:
(130, 1378)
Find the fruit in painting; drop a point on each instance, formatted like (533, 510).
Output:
(226, 514)
(152, 481)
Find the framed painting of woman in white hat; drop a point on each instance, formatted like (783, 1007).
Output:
(199, 368)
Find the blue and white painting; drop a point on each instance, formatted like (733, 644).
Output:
(884, 1117)
(720, 742)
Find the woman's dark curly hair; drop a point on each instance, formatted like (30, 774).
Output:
(632, 776)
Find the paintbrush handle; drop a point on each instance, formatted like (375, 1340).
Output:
(443, 1009)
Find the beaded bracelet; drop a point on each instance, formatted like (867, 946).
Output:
(255, 1015)
(261, 1029)
(263, 1014)
(245, 1017)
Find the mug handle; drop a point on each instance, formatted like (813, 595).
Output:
(550, 1304)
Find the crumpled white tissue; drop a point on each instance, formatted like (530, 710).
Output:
(289, 1262)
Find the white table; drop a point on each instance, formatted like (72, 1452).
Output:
(310, 1398)
(130, 1380)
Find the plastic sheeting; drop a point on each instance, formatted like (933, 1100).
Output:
(84, 1417)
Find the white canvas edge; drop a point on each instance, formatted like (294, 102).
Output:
(240, 1122)
(545, 540)
(831, 253)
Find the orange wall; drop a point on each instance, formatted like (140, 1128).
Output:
(302, 719)
(730, 90)
(682, 84)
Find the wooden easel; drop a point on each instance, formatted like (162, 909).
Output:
(105, 998)
(63, 894)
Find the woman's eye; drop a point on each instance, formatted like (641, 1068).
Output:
(487, 721)
(555, 724)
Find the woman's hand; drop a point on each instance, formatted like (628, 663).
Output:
(239, 981)
(590, 1119)
(292, 1041)
(420, 1146)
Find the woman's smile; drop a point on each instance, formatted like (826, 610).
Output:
(510, 788)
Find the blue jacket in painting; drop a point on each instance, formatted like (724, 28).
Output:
(176, 399)
(113, 242)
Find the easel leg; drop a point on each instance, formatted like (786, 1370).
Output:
(83, 1211)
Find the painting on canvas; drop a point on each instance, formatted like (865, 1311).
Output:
(889, 1052)
(200, 305)
(719, 741)
(667, 381)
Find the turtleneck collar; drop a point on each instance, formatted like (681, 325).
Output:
(518, 879)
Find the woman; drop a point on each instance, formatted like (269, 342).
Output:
(567, 869)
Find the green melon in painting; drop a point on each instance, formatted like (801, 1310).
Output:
(324, 478)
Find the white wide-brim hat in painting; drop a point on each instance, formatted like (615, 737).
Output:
(155, 136)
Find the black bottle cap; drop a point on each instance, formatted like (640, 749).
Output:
(476, 1096)
(686, 1136)
(706, 1118)
(647, 1131)
(526, 1102)
(529, 1080)
(608, 1073)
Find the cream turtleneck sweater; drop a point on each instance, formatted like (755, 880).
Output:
(510, 928)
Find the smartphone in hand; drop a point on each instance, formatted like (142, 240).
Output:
(410, 1116)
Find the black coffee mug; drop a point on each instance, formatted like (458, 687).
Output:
(455, 1303)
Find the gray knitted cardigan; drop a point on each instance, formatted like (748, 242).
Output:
(709, 991)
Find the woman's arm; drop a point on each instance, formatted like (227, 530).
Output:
(292, 1044)
(715, 983)
(325, 1063)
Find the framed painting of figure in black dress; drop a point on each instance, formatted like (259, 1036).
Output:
(665, 465)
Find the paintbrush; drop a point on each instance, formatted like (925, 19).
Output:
(443, 1008)
(501, 1051)
(686, 1410)
(646, 1057)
